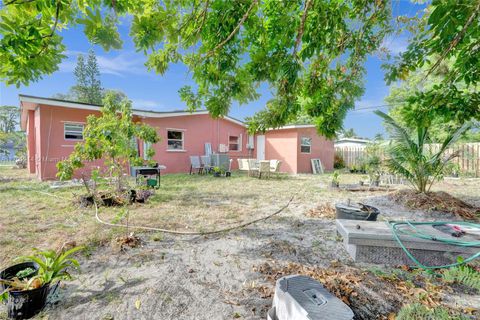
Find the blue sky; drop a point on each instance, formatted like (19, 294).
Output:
(124, 70)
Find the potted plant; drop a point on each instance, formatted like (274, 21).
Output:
(335, 179)
(25, 286)
(217, 172)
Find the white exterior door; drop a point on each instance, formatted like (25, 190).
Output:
(261, 147)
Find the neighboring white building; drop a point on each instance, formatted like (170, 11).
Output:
(351, 143)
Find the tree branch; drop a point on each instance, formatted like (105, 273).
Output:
(57, 12)
(230, 36)
(301, 30)
(45, 45)
(17, 2)
(204, 17)
(456, 40)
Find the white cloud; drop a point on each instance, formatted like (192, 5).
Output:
(147, 104)
(395, 44)
(121, 65)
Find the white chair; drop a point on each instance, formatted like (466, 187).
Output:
(264, 169)
(252, 166)
(241, 165)
(275, 166)
(195, 164)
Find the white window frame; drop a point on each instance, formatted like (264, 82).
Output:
(65, 131)
(306, 145)
(182, 140)
(146, 146)
(239, 143)
(250, 141)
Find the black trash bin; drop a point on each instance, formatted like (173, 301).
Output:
(354, 212)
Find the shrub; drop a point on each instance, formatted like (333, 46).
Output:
(338, 162)
(110, 137)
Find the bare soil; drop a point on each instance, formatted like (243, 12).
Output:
(203, 277)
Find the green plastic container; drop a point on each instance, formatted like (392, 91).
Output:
(152, 182)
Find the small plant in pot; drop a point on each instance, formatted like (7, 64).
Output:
(25, 286)
(217, 172)
(335, 179)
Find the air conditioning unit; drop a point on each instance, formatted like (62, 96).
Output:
(303, 298)
(222, 148)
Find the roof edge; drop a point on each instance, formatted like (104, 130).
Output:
(138, 112)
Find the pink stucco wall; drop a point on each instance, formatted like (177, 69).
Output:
(52, 146)
(47, 144)
(30, 133)
(282, 145)
(198, 130)
(321, 149)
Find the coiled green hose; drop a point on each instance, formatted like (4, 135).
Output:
(416, 233)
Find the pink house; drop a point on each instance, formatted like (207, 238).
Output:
(54, 126)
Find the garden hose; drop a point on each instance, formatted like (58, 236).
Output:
(191, 233)
(417, 233)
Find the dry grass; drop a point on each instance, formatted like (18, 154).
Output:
(31, 218)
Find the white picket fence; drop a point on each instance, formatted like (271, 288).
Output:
(468, 159)
(7, 163)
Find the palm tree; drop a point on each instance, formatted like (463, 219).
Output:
(410, 155)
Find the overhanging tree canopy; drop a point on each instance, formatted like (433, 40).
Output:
(448, 34)
(310, 52)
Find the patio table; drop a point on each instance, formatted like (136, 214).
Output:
(149, 171)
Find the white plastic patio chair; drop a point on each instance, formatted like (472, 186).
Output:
(275, 166)
(195, 164)
(264, 169)
(252, 167)
(240, 165)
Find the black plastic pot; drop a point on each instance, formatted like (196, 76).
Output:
(26, 304)
(361, 212)
(10, 272)
(228, 174)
